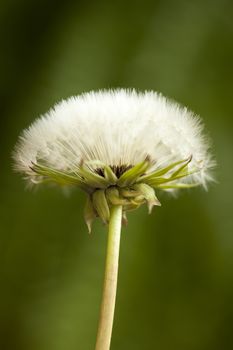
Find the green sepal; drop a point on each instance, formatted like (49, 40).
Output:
(138, 200)
(131, 175)
(163, 171)
(109, 175)
(131, 206)
(89, 213)
(180, 173)
(58, 176)
(108, 172)
(91, 178)
(149, 194)
(182, 169)
(160, 180)
(181, 185)
(112, 195)
(128, 192)
(101, 205)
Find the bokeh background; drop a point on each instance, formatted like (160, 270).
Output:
(176, 266)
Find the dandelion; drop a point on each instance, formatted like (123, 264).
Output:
(119, 147)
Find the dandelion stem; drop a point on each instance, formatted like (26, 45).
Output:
(110, 280)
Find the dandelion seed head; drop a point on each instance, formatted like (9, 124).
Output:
(94, 139)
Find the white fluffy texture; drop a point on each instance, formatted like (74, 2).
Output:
(116, 127)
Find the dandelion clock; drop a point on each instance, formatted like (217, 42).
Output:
(119, 147)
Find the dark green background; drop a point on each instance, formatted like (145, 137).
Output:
(176, 281)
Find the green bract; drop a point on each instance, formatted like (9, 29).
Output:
(129, 186)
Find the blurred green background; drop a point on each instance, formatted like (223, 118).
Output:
(176, 266)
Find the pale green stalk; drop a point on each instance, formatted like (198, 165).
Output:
(110, 280)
